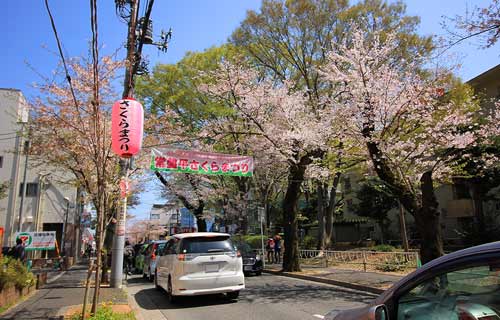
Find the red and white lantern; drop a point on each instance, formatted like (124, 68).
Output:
(127, 120)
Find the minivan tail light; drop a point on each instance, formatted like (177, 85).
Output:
(185, 256)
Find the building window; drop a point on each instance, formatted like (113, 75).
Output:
(1, 161)
(31, 189)
(155, 216)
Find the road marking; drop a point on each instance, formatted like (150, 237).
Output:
(318, 316)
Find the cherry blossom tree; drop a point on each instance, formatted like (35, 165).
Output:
(71, 133)
(279, 123)
(410, 129)
(483, 23)
(145, 230)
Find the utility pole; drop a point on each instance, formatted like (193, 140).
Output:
(65, 228)
(139, 33)
(128, 92)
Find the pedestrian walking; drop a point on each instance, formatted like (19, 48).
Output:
(88, 250)
(270, 250)
(128, 257)
(277, 248)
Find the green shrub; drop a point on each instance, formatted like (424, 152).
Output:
(392, 265)
(384, 248)
(104, 312)
(14, 272)
(308, 243)
(389, 266)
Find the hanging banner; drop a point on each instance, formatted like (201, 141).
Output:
(187, 161)
(43, 240)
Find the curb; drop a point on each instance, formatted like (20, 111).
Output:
(17, 303)
(132, 303)
(327, 281)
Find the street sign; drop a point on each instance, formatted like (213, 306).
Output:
(44, 240)
(188, 161)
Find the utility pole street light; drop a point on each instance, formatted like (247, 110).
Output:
(63, 241)
(139, 33)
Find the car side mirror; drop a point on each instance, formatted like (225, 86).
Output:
(381, 313)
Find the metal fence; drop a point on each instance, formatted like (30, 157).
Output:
(364, 260)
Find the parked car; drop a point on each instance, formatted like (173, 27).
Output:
(464, 285)
(200, 263)
(252, 262)
(150, 256)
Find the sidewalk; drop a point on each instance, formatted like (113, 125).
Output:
(364, 281)
(54, 299)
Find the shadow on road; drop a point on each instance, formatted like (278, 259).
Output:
(136, 280)
(286, 291)
(266, 289)
(160, 301)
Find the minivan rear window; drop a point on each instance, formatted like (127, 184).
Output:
(206, 245)
(159, 247)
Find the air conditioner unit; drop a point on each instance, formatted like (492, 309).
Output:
(28, 219)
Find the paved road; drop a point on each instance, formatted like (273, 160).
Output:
(266, 297)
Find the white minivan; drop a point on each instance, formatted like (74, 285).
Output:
(199, 263)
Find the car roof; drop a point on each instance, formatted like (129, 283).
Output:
(484, 248)
(491, 247)
(201, 234)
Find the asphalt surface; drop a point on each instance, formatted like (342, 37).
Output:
(265, 297)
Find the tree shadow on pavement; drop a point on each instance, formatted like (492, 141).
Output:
(287, 291)
(137, 280)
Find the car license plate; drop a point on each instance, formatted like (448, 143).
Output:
(213, 267)
(247, 268)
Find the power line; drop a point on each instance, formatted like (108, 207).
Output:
(68, 78)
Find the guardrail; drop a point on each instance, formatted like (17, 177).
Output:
(364, 260)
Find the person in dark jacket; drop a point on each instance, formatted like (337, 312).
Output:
(18, 251)
(128, 257)
(277, 249)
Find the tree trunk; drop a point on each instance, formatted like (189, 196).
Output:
(381, 225)
(330, 211)
(427, 221)
(98, 240)
(243, 189)
(108, 242)
(477, 203)
(290, 202)
(200, 219)
(321, 218)
(202, 224)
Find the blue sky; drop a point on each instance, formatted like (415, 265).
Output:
(196, 24)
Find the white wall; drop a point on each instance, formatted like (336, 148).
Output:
(49, 201)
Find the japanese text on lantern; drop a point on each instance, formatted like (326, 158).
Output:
(124, 126)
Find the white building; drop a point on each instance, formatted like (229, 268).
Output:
(49, 196)
(166, 215)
